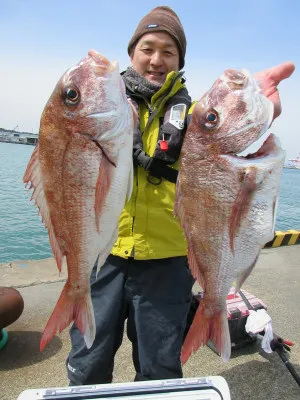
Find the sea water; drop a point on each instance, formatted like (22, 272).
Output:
(23, 235)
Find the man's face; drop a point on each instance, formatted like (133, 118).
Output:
(154, 56)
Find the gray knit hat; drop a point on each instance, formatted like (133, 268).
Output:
(161, 19)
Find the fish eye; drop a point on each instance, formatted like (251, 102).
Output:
(71, 95)
(211, 119)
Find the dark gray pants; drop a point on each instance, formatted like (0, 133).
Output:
(154, 296)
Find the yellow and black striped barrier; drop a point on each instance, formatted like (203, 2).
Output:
(284, 239)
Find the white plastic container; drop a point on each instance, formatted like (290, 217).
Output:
(206, 388)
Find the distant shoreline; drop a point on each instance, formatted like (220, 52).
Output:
(286, 167)
(15, 142)
(15, 137)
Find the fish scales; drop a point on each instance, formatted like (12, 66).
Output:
(81, 175)
(226, 203)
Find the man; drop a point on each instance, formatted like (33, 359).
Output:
(146, 279)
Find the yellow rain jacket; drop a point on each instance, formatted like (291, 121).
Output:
(148, 228)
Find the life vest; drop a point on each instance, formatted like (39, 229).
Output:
(172, 128)
(147, 226)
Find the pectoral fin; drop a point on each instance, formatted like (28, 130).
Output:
(102, 187)
(242, 203)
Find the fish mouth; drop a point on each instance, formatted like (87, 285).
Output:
(236, 79)
(102, 114)
(270, 146)
(260, 110)
(101, 64)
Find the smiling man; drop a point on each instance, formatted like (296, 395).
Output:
(154, 56)
(146, 279)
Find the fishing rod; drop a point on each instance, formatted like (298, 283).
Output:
(277, 344)
(282, 348)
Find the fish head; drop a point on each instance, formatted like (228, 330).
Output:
(232, 115)
(90, 98)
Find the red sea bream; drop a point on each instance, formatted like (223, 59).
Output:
(81, 175)
(226, 203)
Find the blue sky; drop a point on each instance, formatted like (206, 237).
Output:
(40, 39)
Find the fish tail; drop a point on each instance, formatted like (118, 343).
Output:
(205, 328)
(67, 310)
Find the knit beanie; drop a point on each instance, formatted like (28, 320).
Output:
(161, 19)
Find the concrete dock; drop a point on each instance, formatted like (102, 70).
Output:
(250, 373)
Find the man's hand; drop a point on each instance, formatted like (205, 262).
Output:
(270, 78)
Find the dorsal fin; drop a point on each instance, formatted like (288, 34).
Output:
(33, 175)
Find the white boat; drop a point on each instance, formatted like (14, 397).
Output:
(293, 163)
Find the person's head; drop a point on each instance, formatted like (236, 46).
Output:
(158, 45)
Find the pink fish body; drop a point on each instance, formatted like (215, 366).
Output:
(81, 175)
(226, 203)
